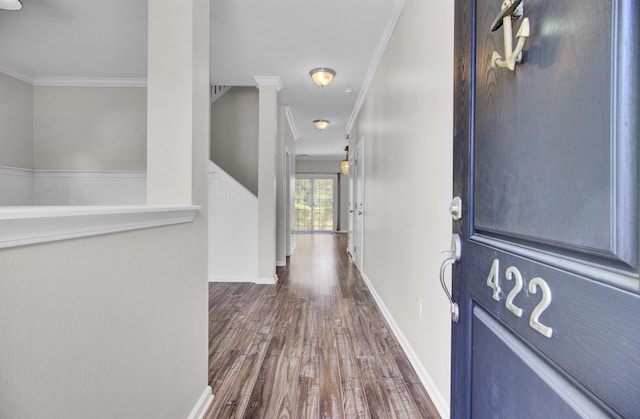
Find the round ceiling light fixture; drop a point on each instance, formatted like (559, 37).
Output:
(10, 4)
(322, 76)
(321, 123)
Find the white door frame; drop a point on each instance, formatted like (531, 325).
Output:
(358, 210)
(335, 209)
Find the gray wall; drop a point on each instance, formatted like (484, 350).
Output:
(234, 135)
(94, 328)
(16, 123)
(406, 123)
(111, 326)
(72, 128)
(330, 167)
(90, 128)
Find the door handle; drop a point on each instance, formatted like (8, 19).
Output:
(453, 257)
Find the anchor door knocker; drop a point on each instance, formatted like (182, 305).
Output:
(511, 9)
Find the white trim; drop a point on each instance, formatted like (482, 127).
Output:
(74, 81)
(265, 81)
(21, 226)
(91, 173)
(215, 170)
(292, 125)
(219, 93)
(281, 263)
(89, 82)
(375, 61)
(267, 281)
(221, 278)
(202, 404)
(19, 76)
(436, 397)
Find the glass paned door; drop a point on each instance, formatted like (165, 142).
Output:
(314, 203)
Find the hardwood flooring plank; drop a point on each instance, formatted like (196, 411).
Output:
(375, 393)
(355, 402)
(401, 404)
(422, 401)
(241, 390)
(314, 345)
(308, 398)
(331, 403)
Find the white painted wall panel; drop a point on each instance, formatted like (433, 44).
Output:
(407, 126)
(233, 229)
(16, 186)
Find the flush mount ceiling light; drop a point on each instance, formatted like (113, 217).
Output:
(321, 123)
(322, 76)
(10, 5)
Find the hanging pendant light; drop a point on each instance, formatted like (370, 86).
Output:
(344, 165)
(10, 4)
(322, 76)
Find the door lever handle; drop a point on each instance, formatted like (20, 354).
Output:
(453, 257)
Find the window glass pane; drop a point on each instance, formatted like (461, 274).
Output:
(303, 204)
(314, 204)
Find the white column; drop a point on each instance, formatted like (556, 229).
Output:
(176, 67)
(269, 86)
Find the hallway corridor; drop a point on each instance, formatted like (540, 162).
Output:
(315, 345)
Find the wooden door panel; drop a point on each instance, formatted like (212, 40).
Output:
(544, 150)
(595, 329)
(520, 374)
(546, 163)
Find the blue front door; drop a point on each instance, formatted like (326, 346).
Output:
(546, 164)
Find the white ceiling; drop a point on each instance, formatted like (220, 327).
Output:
(85, 40)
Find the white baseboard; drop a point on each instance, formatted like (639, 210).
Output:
(436, 396)
(220, 278)
(202, 404)
(292, 249)
(281, 263)
(267, 281)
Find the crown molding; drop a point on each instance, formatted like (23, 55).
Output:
(89, 82)
(292, 125)
(74, 81)
(16, 75)
(375, 61)
(268, 81)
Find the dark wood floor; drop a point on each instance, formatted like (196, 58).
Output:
(314, 345)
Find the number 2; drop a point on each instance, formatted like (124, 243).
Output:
(534, 321)
(511, 272)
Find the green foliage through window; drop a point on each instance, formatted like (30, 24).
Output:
(314, 204)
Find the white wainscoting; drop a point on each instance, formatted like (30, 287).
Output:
(233, 229)
(61, 187)
(25, 187)
(16, 187)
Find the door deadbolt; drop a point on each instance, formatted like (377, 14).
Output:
(455, 208)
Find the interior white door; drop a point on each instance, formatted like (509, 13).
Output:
(358, 210)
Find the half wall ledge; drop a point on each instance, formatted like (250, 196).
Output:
(20, 226)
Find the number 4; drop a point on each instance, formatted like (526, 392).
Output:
(493, 280)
